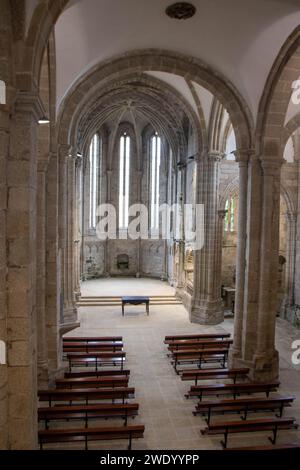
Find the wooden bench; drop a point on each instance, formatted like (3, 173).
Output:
(97, 359)
(232, 389)
(90, 382)
(86, 412)
(91, 434)
(256, 425)
(199, 337)
(179, 345)
(91, 339)
(200, 356)
(92, 347)
(244, 405)
(287, 446)
(97, 373)
(85, 394)
(214, 374)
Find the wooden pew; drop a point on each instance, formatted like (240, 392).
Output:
(179, 345)
(90, 382)
(85, 394)
(199, 356)
(232, 389)
(199, 337)
(92, 347)
(97, 373)
(254, 425)
(105, 358)
(91, 434)
(244, 405)
(287, 446)
(86, 412)
(214, 374)
(91, 339)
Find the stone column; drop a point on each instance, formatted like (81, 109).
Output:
(297, 242)
(41, 274)
(254, 339)
(66, 232)
(289, 296)
(242, 158)
(139, 175)
(221, 218)
(207, 305)
(266, 360)
(78, 225)
(4, 150)
(53, 268)
(21, 273)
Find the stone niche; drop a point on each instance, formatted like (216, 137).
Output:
(123, 257)
(94, 259)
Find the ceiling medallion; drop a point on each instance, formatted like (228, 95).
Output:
(181, 10)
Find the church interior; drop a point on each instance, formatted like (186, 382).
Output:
(127, 128)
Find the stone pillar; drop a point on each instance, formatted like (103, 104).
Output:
(78, 225)
(41, 274)
(53, 268)
(207, 305)
(242, 159)
(254, 341)
(139, 175)
(66, 231)
(289, 297)
(21, 273)
(266, 360)
(297, 244)
(221, 218)
(4, 149)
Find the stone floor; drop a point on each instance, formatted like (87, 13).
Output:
(167, 415)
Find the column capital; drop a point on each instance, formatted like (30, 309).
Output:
(64, 151)
(291, 217)
(30, 103)
(215, 156)
(78, 161)
(222, 214)
(244, 155)
(271, 167)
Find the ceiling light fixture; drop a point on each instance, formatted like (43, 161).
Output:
(44, 120)
(181, 10)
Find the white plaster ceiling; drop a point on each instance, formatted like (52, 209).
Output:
(241, 39)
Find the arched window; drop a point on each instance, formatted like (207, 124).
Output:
(155, 157)
(124, 181)
(94, 160)
(230, 218)
(2, 92)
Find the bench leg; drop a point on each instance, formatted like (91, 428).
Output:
(280, 411)
(208, 415)
(122, 310)
(130, 442)
(224, 443)
(245, 414)
(273, 441)
(86, 443)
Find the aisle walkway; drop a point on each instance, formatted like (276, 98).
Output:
(165, 412)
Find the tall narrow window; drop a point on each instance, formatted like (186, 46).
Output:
(230, 218)
(124, 181)
(94, 157)
(154, 181)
